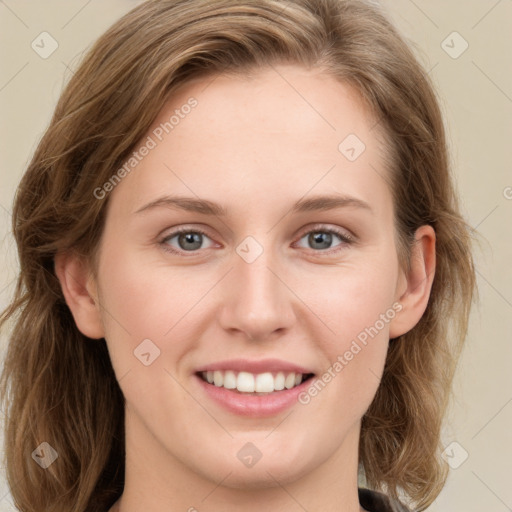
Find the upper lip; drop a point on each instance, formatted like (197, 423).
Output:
(255, 366)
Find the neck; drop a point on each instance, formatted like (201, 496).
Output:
(156, 480)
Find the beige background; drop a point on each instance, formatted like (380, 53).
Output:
(476, 95)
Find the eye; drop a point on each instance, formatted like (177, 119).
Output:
(321, 239)
(188, 240)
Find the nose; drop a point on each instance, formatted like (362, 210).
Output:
(257, 301)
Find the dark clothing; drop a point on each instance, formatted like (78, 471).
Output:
(374, 501)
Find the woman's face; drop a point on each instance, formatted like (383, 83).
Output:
(289, 264)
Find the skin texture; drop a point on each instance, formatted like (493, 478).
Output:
(255, 145)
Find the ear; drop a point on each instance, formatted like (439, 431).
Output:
(413, 292)
(80, 291)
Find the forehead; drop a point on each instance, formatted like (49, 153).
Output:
(276, 133)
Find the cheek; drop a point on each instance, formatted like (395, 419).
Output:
(358, 306)
(352, 300)
(144, 313)
(140, 302)
(144, 295)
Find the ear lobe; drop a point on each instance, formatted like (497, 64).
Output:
(79, 289)
(419, 279)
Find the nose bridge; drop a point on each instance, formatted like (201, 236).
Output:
(259, 303)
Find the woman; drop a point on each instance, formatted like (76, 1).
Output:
(307, 339)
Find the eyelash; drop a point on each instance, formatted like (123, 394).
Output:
(343, 236)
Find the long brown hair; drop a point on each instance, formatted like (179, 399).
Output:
(59, 387)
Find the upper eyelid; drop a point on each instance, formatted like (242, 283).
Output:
(316, 226)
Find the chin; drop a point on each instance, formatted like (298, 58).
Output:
(273, 468)
(262, 475)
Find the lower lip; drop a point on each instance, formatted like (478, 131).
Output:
(253, 406)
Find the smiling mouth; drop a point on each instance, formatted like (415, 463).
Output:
(254, 384)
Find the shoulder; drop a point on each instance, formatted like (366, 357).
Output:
(374, 501)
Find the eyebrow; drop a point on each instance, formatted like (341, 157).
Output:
(206, 207)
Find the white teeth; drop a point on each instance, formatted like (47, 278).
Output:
(246, 382)
(218, 378)
(289, 381)
(264, 383)
(279, 381)
(230, 380)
